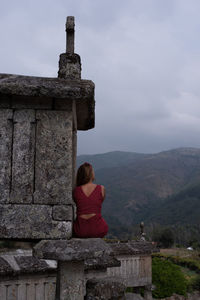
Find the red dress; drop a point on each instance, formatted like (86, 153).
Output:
(95, 226)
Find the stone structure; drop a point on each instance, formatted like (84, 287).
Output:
(39, 118)
(89, 262)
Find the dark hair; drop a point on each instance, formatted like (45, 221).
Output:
(84, 174)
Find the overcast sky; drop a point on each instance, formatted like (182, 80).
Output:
(143, 56)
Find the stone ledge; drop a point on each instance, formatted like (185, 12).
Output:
(21, 88)
(72, 250)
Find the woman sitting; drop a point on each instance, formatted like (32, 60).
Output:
(88, 198)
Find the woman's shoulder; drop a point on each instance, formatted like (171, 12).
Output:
(102, 190)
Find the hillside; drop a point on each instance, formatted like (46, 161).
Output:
(143, 186)
(181, 208)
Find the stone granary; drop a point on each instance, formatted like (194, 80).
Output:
(39, 119)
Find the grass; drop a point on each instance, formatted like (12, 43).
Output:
(189, 262)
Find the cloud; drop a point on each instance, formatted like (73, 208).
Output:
(143, 57)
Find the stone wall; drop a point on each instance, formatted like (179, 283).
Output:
(36, 171)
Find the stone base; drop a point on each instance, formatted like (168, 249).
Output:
(105, 289)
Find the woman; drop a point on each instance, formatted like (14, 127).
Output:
(88, 198)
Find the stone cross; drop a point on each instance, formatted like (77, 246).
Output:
(70, 35)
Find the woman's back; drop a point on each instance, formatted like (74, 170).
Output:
(88, 199)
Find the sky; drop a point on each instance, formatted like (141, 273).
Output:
(143, 56)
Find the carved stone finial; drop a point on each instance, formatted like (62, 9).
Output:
(142, 233)
(70, 24)
(70, 62)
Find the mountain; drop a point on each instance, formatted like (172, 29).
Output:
(181, 208)
(110, 159)
(142, 187)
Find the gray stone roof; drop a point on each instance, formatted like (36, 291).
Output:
(82, 91)
(22, 262)
(133, 248)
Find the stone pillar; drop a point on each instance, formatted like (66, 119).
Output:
(148, 292)
(70, 281)
(71, 254)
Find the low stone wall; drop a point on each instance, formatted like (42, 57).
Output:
(191, 296)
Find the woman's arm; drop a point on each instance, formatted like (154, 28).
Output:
(103, 191)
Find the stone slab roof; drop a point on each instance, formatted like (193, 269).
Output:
(133, 248)
(82, 91)
(75, 249)
(22, 262)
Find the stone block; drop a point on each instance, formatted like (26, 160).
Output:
(31, 222)
(6, 135)
(53, 167)
(23, 156)
(69, 66)
(63, 212)
(105, 289)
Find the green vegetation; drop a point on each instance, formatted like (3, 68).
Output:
(175, 271)
(168, 279)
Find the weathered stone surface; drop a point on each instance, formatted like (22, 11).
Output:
(133, 296)
(6, 132)
(24, 102)
(23, 156)
(133, 248)
(19, 262)
(71, 281)
(69, 66)
(31, 222)
(70, 24)
(25, 90)
(53, 169)
(63, 212)
(73, 249)
(105, 289)
(102, 262)
(135, 270)
(63, 104)
(191, 296)
(30, 264)
(39, 287)
(5, 268)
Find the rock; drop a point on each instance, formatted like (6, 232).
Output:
(105, 289)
